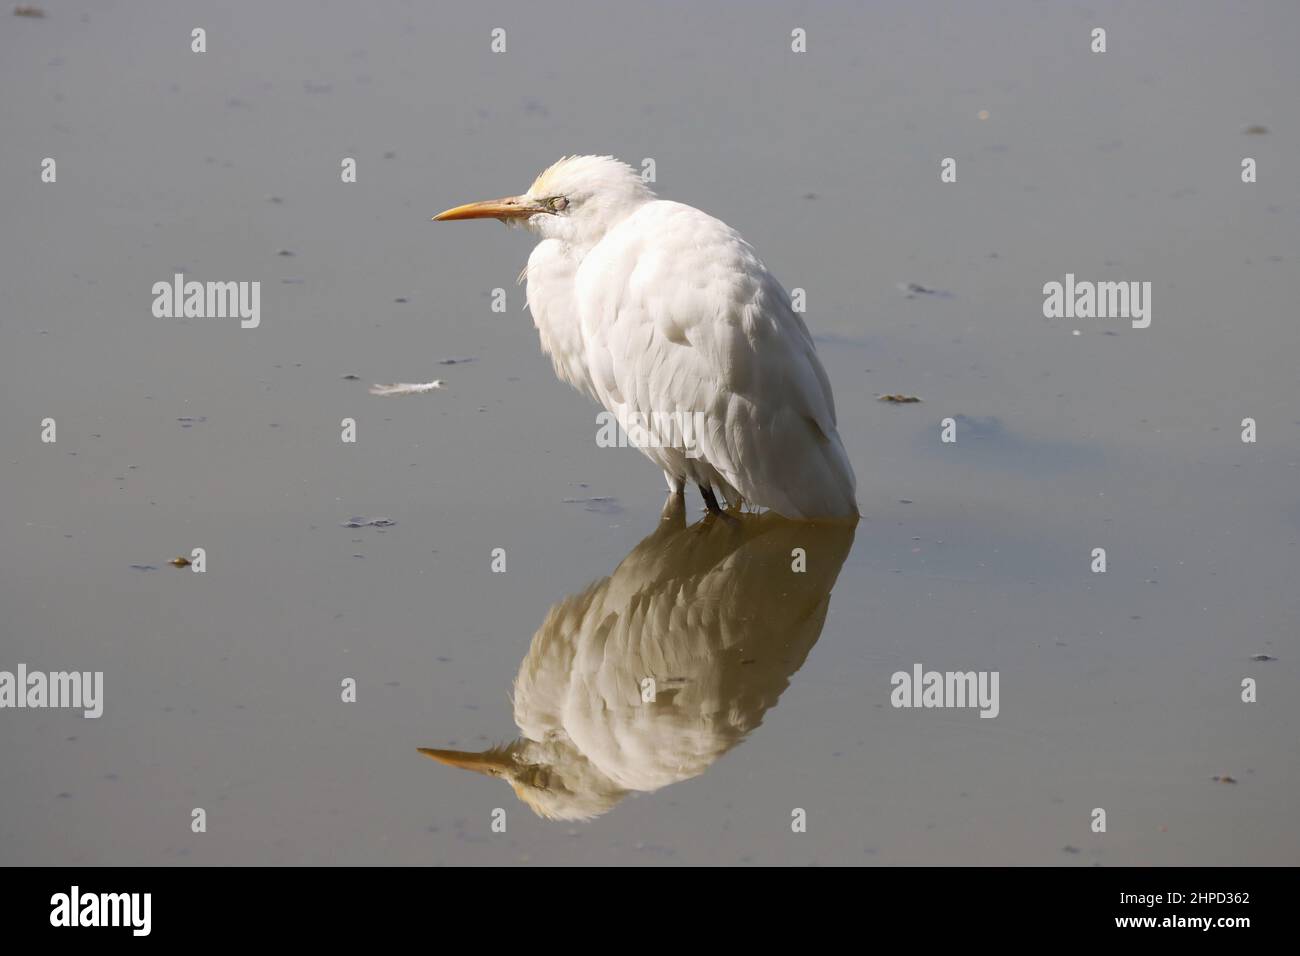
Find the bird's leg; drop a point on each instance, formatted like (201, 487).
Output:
(710, 500)
(674, 513)
(675, 506)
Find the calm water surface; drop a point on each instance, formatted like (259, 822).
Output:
(1119, 691)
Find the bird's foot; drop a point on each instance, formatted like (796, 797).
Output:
(715, 511)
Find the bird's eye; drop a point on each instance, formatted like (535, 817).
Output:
(559, 204)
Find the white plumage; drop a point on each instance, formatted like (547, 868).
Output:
(662, 312)
(715, 616)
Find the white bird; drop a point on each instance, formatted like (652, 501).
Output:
(648, 677)
(664, 314)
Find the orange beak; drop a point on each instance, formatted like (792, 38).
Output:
(468, 760)
(510, 207)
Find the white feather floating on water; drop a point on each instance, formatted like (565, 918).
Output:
(405, 388)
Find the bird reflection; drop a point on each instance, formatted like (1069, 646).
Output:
(647, 677)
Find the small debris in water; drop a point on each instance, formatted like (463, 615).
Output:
(401, 299)
(359, 522)
(350, 377)
(456, 361)
(179, 562)
(35, 12)
(601, 504)
(1262, 657)
(1255, 130)
(406, 388)
(285, 252)
(186, 421)
(899, 399)
(911, 290)
(143, 567)
(1070, 849)
(1224, 778)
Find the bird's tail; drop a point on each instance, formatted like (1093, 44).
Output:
(835, 487)
(813, 481)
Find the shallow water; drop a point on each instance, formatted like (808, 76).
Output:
(1118, 690)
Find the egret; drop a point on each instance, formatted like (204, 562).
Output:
(648, 677)
(663, 313)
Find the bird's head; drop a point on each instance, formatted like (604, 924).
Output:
(553, 778)
(576, 200)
